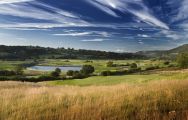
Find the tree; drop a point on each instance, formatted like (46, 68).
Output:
(56, 73)
(166, 63)
(58, 70)
(87, 69)
(70, 73)
(109, 64)
(133, 66)
(19, 70)
(182, 60)
(106, 73)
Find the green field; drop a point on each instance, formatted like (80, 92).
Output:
(99, 65)
(133, 79)
(9, 65)
(159, 94)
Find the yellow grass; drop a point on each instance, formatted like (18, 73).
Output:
(152, 101)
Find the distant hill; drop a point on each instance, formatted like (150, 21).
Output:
(180, 49)
(36, 52)
(165, 53)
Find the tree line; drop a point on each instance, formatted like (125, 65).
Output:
(36, 52)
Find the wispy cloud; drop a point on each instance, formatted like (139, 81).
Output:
(124, 6)
(143, 35)
(56, 17)
(173, 35)
(74, 34)
(13, 1)
(181, 9)
(84, 33)
(103, 8)
(94, 40)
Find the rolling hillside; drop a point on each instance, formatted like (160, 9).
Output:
(35, 52)
(165, 53)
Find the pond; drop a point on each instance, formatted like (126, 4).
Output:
(52, 68)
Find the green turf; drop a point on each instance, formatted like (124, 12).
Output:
(111, 80)
(9, 65)
(100, 65)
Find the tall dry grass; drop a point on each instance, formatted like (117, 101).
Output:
(153, 101)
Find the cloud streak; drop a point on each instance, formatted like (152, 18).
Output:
(124, 6)
(93, 40)
(56, 18)
(85, 34)
(13, 1)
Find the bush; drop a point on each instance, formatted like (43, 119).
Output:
(109, 64)
(56, 73)
(87, 69)
(45, 78)
(88, 61)
(106, 73)
(182, 60)
(66, 61)
(19, 70)
(152, 67)
(120, 72)
(133, 65)
(134, 70)
(58, 70)
(166, 63)
(70, 73)
(7, 73)
(29, 79)
(78, 75)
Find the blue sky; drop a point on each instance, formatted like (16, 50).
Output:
(110, 25)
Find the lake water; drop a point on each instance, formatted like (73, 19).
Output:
(52, 68)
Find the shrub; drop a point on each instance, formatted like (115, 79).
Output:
(45, 78)
(88, 61)
(106, 73)
(19, 70)
(182, 60)
(70, 73)
(134, 70)
(133, 65)
(110, 64)
(7, 73)
(166, 63)
(78, 75)
(120, 72)
(66, 61)
(56, 73)
(152, 67)
(58, 70)
(87, 69)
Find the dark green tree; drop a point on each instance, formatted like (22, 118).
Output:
(109, 64)
(133, 66)
(182, 60)
(56, 73)
(87, 69)
(70, 73)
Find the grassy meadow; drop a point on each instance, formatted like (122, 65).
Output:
(131, 79)
(161, 100)
(152, 95)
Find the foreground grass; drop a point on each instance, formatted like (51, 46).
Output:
(160, 100)
(135, 79)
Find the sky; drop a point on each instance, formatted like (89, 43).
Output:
(109, 25)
